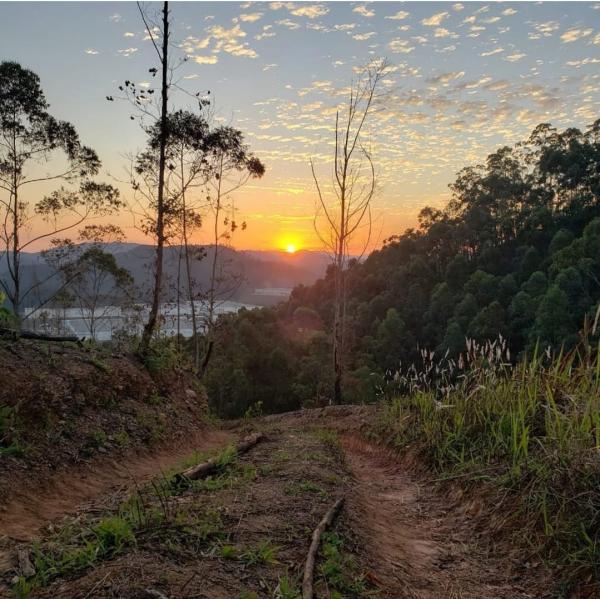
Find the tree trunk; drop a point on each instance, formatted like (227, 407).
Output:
(160, 235)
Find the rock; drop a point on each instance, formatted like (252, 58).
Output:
(25, 566)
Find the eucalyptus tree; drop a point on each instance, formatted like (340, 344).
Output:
(36, 150)
(231, 165)
(186, 175)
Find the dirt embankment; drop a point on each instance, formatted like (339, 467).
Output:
(69, 416)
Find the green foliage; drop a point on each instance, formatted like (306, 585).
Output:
(530, 428)
(339, 569)
(163, 356)
(516, 252)
(264, 553)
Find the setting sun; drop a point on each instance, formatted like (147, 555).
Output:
(290, 248)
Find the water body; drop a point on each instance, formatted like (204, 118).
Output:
(110, 320)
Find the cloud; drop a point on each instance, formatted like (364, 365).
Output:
(227, 40)
(400, 46)
(515, 57)
(435, 20)
(361, 37)
(545, 29)
(399, 16)
(445, 78)
(92, 51)
(364, 11)
(211, 59)
(458, 7)
(443, 32)
(128, 34)
(311, 11)
(345, 27)
(268, 67)
(288, 23)
(251, 17)
(492, 52)
(575, 34)
(128, 51)
(116, 18)
(585, 61)
(596, 41)
(509, 12)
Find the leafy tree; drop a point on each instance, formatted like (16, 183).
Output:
(553, 324)
(32, 137)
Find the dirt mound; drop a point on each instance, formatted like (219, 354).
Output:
(65, 407)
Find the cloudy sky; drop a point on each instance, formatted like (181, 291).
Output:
(465, 78)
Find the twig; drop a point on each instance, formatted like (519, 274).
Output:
(307, 582)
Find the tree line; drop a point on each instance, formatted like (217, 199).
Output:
(515, 253)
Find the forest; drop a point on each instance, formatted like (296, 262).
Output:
(515, 255)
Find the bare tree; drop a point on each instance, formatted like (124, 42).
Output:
(346, 210)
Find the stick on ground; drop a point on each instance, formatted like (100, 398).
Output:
(206, 468)
(307, 582)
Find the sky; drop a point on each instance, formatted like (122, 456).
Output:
(465, 79)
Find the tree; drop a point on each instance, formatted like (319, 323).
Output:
(163, 57)
(188, 171)
(93, 281)
(30, 137)
(354, 181)
(230, 166)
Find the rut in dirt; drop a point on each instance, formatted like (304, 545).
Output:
(79, 489)
(418, 547)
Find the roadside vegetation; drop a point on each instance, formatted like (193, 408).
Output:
(530, 432)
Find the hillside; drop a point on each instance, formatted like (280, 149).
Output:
(259, 270)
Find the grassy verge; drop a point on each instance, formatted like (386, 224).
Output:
(533, 429)
(149, 518)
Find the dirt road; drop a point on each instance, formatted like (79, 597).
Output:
(245, 532)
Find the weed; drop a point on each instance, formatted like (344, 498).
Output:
(530, 428)
(122, 439)
(228, 551)
(155, 399)
(254, 411)
(263, 553)
(287, 588)
(305, 486)
(340, 570)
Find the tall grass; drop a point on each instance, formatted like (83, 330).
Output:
(533, 427)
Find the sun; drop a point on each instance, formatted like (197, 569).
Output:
(290, 248)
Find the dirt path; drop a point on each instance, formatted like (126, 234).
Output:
(68, 492)
(407, 539)
(419, 548)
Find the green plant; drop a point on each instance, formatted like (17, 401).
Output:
(263, 553)
(287, 589)
(528, 428)
(113, 534)
(339, 569)
(228, 551)
(254, 411)
(122, 439)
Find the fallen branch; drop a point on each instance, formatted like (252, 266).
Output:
(37, 336)
(307, 582)
(206, 468)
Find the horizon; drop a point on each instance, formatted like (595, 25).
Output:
(466, 79)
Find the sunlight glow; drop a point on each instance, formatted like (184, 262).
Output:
(290, 248)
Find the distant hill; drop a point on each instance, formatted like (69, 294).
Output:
(261, 270)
